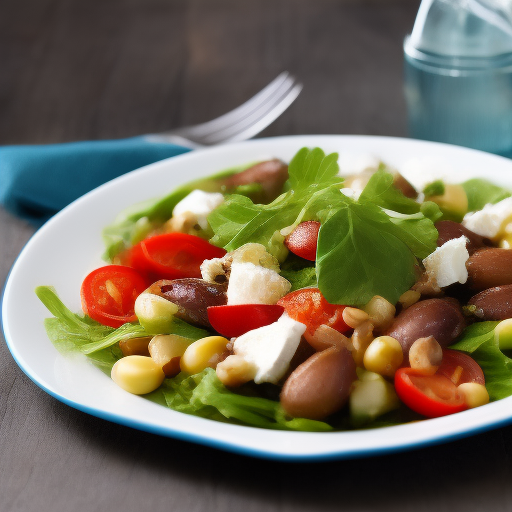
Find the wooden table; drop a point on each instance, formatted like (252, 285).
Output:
(73, 70)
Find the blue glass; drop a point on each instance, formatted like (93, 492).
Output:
(458, 75)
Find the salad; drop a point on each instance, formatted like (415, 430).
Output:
(288, 297)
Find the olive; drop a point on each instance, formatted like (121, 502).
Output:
(440, 318)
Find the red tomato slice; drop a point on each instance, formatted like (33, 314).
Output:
(303, 240)
(430, 395)
(171, 256)
(108, 294)
(309, 307)
(233, 321)
(460, 368)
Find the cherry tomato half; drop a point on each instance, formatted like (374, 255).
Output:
(460, 368)
(171, 256)
(108, 294)
(309, 307)
(303, 240)
(430, 395)
(232, 321)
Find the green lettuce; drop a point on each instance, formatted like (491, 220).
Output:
(137, 221)
(478, 340)
(204, 395)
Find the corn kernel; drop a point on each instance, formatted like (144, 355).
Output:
(166, 350)
(384, 356)
(202, 354)
(380, 311)
(155, 313)
(235, 371)
(137, 374)
(503, 334)
(474, 394)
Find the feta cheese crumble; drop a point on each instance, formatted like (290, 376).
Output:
(487, 222)
(270, 348)
(253, 284)
(200, 204)
(447, 264)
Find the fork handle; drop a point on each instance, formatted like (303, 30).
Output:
(36, 181)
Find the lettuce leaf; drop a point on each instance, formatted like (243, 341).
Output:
(478, 341)
(204, 395)
(481, 192)
(69, 331)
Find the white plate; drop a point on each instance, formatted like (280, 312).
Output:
(69, 246)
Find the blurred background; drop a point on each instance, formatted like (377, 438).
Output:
(74, 70)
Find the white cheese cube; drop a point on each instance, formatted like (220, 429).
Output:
(487, 222)
(447, 264)
(253, 284)
(270, 348)
(200, 204)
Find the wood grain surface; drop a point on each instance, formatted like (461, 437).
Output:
(75, 69)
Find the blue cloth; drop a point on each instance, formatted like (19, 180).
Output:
(37, 181)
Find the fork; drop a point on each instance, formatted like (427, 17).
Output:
(241, 123)
(38, 180)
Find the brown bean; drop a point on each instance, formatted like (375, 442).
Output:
(449, 230)
(321, 385)
(488, 268)
(440, 318)
(271, 175)
(193, 297)
(494, 303)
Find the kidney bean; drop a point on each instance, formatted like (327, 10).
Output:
(494, 303)
(449, 230)
(488, 268)
(192, 296)
(321, 385)
(271, 175)
(440, 318)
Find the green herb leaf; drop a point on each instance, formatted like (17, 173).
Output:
(315, 188)
(481, 192)
(380, 191)
(303, 278)
(359, 255)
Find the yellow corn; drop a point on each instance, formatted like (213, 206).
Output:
(474, 394)
(203, 353)
(354, 317)
(166, 350)
(384, 356)
(137, 374)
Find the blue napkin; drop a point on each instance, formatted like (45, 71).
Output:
(37, 181)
